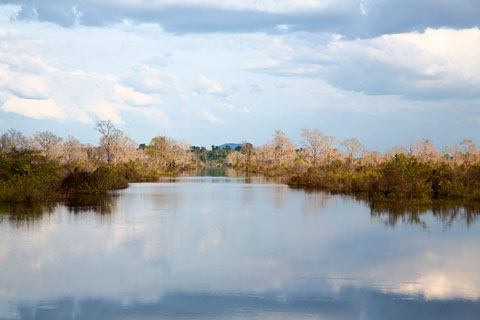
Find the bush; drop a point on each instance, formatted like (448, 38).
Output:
(28, 177)
(100, 181)
(401, 178)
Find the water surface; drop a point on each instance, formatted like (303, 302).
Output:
(236, 248)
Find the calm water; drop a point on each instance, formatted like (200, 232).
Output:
(231, 248)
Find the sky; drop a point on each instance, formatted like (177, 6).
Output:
(388, 72)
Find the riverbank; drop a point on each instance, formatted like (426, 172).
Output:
(29, 177)
(402, 178)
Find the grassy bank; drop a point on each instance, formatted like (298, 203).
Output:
(29, 177)
(401, 178)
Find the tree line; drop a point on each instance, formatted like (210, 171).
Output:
(65, 166)
(417, 173)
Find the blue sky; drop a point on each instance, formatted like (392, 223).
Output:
(209, 72)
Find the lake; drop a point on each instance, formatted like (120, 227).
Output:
(237, 248)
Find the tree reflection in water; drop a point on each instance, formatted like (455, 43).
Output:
(24, 215)
(393, 212)
(446, 212)
(101, 204)
(389, 212)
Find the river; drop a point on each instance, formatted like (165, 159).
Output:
(236, 248)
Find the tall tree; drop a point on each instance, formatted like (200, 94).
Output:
(110, 137)
(353, 148)
(73, 151)
(160, 152)
(284, 149)
(425, 150)
(48, 142)
(127, 150)
(313, 142)
(318, 146)
(13, 140)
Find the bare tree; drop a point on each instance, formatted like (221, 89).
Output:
(126, 149)
(109, 139)
(69, 147)
(424, 150)
(313, 144)
(353, 148)
(13, 140)
(399, 150)
(73, 151)
(318, 146)
(90, 151)
(182, 153)
(284, 149)
(470, 153)
(264, 155)
(235, 158)
(48, 142)
(166, 153)
(329, 150)
(371, 158)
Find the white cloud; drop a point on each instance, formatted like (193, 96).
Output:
(34, 108)
(270, 63)
(211, 118)
(147, 79)
(355, 18)
(153, 113)
(7, 33)
(435, 64)
(438, 63)
(105, 110)
(132, 97)
(232, 108)
(206, 86)
(38, 62)
(21, 84)
(271, 6)
(30, 87)
(441, 285)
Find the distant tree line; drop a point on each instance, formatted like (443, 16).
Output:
(216, 154)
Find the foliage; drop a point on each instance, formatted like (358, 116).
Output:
(28, 177)
(100, 181)
(216, 154)
(133, 171)
(401, 178)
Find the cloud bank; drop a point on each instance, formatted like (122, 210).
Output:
(433, 65)
(352, 18)
(28, 86)
(347, 67)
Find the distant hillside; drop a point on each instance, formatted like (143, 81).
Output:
(231, 145)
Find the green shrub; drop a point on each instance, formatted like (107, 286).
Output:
(401, 178)
(28, 177)
(100, 181)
